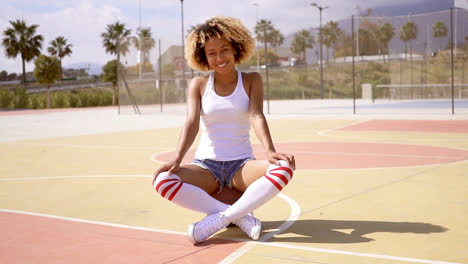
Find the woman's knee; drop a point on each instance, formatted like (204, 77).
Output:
(167, 184)
(279, 174)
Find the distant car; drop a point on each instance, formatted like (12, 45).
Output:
(296, 62)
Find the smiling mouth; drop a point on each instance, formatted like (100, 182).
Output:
(221, 65)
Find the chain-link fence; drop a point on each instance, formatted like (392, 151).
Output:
(412, 57)
(366, 58)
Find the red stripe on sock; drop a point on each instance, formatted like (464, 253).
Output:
(163, 182)
(274, 183)
(167, 188)
(288, 170)
(281, 176)
(175, 191)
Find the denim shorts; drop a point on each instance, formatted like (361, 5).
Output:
(223, 171)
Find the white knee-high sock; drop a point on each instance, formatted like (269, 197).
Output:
(187, 195)
(261, 191)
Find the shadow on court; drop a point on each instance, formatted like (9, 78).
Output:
(343, 231)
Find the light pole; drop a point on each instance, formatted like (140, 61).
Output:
(256, 47)
(183, 45)
(139, 40)
(320, 8)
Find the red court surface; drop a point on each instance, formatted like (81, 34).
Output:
(431, 126)
(348, 155)
(37, 239)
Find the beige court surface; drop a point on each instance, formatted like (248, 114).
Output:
(344, 204)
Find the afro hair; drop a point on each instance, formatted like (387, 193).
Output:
(228, 28)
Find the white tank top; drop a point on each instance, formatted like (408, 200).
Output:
(225, 124)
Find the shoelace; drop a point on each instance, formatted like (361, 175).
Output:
(209, 227)
(245, 223)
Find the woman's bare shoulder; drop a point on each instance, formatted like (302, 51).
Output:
(198, 84)
(251, 76)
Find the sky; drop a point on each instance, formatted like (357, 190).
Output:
(81, 22)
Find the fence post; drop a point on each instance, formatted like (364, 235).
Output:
(451, 59)
(354, 82)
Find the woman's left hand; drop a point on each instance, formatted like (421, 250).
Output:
(274, 157)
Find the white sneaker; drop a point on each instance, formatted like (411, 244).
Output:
(250, 225)
(208, 226)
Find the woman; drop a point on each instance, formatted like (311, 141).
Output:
(228, 102)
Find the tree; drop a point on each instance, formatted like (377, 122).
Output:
(109, 74)
(464, 59)
(301, 42)
(331, 33)
(367, 43)
(267, 33)
(47, 71)
(383, 35)
(115, 41)
(3, 76)
(408, 32)
(21, 39)
(344, 45)
(439, 31)
(272, 58)
(147, 44)
(60, 48)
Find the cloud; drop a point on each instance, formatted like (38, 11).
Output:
(81, 22)
(81, 25)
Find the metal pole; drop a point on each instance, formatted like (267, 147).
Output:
(117, 77)
(266, 69)
(354, 82)
(320, 8)
(183, 47)
(139, 40)
(160, 77)
(256, 46)
(321, 59)
(451, 61)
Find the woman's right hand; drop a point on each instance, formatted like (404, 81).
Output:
(170, 167)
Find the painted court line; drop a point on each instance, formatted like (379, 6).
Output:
(78, 220)
(293, 216)
(295, 212)
(251, 244)
(357, 254)
(78, 145)
(76, 177)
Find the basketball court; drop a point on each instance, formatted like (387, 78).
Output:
(377, 187)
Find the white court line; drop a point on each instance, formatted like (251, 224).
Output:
(76, 177)
(240, 252)
(78, 145)
(293, 216)
(357, 254)
(71, 219)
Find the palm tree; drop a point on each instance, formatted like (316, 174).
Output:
(22, 39)
(267, 33)
(331, 33)
(60, 48)
(147, 44)
(439, 31)
(301, 42)
(383, 35)
(408, 32)
(464, 59)
(115, 41)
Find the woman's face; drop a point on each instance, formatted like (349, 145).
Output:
(220, 54)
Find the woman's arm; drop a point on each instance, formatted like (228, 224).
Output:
(191, 125)
(190, 129)
(259, 123)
